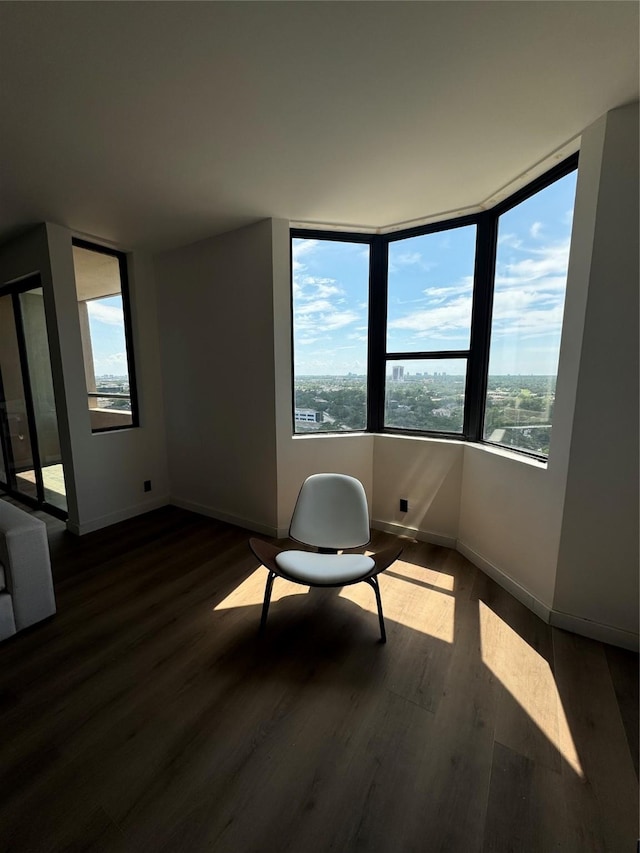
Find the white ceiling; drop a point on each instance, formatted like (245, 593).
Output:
(154, 124)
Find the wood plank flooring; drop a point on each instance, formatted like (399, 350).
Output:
(149, 715)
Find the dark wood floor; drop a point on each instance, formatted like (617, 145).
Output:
(148, 715)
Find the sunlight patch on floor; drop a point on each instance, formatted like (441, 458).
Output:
(423, 575)
(405, 598)
(410, 604)
(55, 489)
(527, 676)
(251, 591)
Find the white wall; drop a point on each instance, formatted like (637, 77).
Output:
(566, 534)
(216, 326)
(597, 570)
(110, 468)
(105, 472)
(510, 514)
(428, 473)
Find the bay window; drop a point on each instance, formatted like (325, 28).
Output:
(451, 330)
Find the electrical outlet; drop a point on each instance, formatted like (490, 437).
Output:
(404, 505)
(147, 485)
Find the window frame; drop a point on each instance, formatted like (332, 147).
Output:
(336, 237)
(121, 257)
(477, 356)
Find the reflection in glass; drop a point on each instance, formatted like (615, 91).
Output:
(14, 410)
(44, 406)
(530, 283)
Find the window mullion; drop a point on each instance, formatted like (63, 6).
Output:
(377, 333)
(478, 366)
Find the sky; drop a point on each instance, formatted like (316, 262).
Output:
(106, 322)
(430, 292)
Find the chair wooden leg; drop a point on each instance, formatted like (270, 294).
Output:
(267, 599)
(376, 588)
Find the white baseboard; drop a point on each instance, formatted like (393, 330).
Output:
(414, 533)
(575, 624)
(517, 591)
(115, 517)
(596, 630)
(239, 521)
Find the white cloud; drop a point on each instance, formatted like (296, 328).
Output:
(115, 363)
(408, 258)
(454, 316)
(315, 307)
(442, 294)
(322, 317)
(529, 296)
(320, 286)
(320, 304)
(524, 313)
(110, 315)
(300, 248)
(116, 358)
(338, 320)
(548, 264)
(535, 230)
(529, 299)
(509, 240)
(303, 247)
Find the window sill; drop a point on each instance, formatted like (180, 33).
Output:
(501, 452)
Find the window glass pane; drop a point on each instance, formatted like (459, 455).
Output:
(430, 291)
(14, 420)
(426, 394)
(531, 275)
(44, 405)
(330, 318)
(100, 304)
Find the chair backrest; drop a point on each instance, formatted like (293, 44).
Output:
(331, 512)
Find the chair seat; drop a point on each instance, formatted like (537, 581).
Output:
(324, 569)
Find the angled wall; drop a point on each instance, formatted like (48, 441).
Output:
(597, 570)
(216, 329)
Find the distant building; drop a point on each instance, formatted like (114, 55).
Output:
(397, 373)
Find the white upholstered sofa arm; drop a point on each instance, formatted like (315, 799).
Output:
(24, 557)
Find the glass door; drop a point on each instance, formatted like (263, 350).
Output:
(30, 460)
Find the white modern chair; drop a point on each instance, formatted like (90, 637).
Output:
(331, 514)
